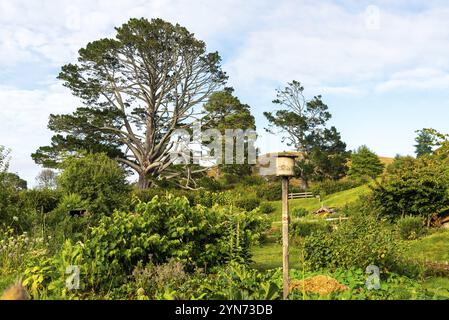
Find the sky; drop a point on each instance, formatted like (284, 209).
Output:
(381, 66)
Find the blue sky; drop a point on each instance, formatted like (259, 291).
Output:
(381, 66)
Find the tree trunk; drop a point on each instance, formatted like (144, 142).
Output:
(304, 183)
(143, 182)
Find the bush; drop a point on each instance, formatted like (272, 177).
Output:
(195, 197)
(235, 282)
(248, 203)
(267, 208)
(299, 212)
(65, 226)
(97, 179)
(306, 228)
(271, 191)
(40, 200)
(252, 181)
(358, 242)
(209, 184)
(157, 281)
(411, 228)
(167, 228)
(417, 188)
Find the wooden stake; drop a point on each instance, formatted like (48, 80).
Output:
(285, 222)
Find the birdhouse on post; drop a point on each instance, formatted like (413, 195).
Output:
(285, 164)
(285, 168)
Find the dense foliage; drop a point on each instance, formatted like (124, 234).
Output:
(419, 187)
(365, 164)
(97, 179)
(359, 242)
(411, 228)
(303, 126)
(163, 229)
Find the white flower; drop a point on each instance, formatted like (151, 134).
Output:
(15, 218)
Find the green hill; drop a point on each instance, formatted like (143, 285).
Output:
(337, 200)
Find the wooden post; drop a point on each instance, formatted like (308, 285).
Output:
(285, 222)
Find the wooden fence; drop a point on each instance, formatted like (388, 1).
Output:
(302, 195)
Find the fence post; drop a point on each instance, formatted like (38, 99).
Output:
(285, 222)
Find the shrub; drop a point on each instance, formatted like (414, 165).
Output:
(299, 212)
(358, 242)
(410, 228)
(271, 191)
(209, 199)
(248, 203)
(252, 181)
(65, 226)
(46, 277)
(305, 228)
(202, 197)
(97, 179)
(209, 184)
(9, 194)
(418, 188)
(236, 282)
(267, 208)
(158, 281)
(40, 200)
(170, 228)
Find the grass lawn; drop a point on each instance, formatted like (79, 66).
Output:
(438, 285)
(432, 248)
(269, 256)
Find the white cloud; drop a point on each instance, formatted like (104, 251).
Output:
(416, 79)
(329, 46)
(55, 30)
(24, 117)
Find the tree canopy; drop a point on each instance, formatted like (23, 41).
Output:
(137, 89)
(302, 124)
(224, 111)
(365, 164)
(425, 142)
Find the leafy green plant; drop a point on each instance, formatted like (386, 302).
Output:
(239, 282)
(47, 277)
(358, 242)
(167, 228)
(267, 208)
(305, 228)
(417, 188)
(299, 212)
(247, 203)
(97, 179)
(411, 228)
(63, 225)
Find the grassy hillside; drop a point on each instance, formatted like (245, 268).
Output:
(337, 200)
(434, 247)
(269, 255)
